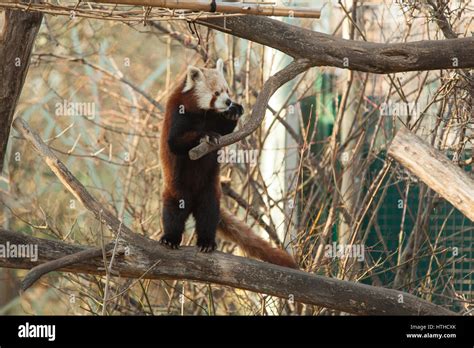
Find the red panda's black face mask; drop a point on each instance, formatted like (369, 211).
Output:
(209, 87)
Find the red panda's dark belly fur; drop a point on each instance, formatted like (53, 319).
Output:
(195, 176)
(183, 176)
(190, 187)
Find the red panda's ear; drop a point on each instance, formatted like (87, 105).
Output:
(193, 74)
(220, 66)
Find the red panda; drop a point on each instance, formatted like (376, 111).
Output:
(198, 110)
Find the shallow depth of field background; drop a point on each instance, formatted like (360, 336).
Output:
(111, 71)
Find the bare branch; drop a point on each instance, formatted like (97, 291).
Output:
(78, 190)
(223, 7)
(327, 50)
(258, 112)
(226, 269)
(37, 272)
(217, 267)
(259, 217)
(183, 39)
(115, 75)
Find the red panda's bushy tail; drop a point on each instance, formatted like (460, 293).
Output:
(240, 233)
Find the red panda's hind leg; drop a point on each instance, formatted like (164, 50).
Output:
(206, 214)
(174, 214)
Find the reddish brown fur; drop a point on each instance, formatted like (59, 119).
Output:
(241, 234)
(167, 159)
(231, 228)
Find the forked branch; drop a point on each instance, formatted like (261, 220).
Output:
(258, 112)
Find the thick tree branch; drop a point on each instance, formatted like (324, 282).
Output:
(258, 112)
(435, 169)
(216, 267)
(327, 50)
(310, 48)
(56, 264)
(226, 269)
(16, 43)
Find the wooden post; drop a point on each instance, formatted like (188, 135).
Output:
(435, 170)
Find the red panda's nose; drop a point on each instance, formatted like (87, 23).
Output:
(228, 102)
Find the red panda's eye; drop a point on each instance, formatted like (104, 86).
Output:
(217, 93)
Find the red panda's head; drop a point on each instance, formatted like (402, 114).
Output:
(209, 87)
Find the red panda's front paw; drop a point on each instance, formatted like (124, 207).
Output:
(212, 139)
(234, 112)
(206, 245)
